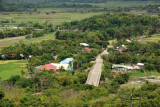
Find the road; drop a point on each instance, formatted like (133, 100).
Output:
(95, 74)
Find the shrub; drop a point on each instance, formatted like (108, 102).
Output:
(2, 94)
(28, 36)
(149, 87)
(25, 82)
(13, 79)
(79, 87)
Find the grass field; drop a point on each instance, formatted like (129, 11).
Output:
(12, 41)
(11, 67)
(111, 42)
(65, 14)
(114, 4)
(140, 74)
(54, 18)
(155, 38)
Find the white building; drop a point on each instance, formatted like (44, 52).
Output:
(14, 27)
(65, 66)
(84, 44)
(140, 64)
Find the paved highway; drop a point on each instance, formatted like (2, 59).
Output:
(95, 74)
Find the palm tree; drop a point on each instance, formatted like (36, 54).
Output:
(22, 73)
(61, 69)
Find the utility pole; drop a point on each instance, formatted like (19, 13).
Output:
(131, 99)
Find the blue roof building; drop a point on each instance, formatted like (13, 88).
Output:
(66, 61)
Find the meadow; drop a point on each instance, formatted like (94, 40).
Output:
(114, 4)
(53, 18)
(13, 41)
(145, 74)
(59, 15)
(154, 38)
(9, 68)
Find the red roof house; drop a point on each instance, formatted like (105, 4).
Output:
(48, 67)
(88, 49)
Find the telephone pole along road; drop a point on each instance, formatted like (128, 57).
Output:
(95, 74)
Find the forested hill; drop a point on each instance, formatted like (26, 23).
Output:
(120, 25)
(78, 1)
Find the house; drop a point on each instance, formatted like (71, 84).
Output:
(66, 61)
(14, 27)
(47, 67)
(84, 44)
(40, 93)
(3, 56)
(88, 49)
(140, 64)
(38, 29)
(136, 67)
(13, 54)
(127, 40)
(121, 67)
(36, 68)
(122, 48)
(65, 66)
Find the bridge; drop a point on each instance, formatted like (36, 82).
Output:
(95, 74)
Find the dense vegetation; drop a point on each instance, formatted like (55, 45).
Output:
(84, 5)
(32, 29)
(118, 26)
(77, 1)
(67, 87)
(153, 8)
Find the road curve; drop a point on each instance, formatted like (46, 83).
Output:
(95, 74)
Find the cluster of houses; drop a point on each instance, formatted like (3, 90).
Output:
(122, 48)
(21, 55)
(120, 69)
(86, 47)
(64, 64)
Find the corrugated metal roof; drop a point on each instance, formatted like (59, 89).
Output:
(47, 67)
(122, 66)
(66, 61)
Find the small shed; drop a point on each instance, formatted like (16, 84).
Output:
(84, 44)
(122, 67)
(14, 27)
(36, 68)
(127, 40)
(140, 64)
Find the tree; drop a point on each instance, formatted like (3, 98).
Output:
(7, 103)
(2, 94)
(1, 5)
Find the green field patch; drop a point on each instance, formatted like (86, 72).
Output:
(12, 67)
(55, 19)
(114, 4)
(141, 74)
(13, 41)
(153, 38)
